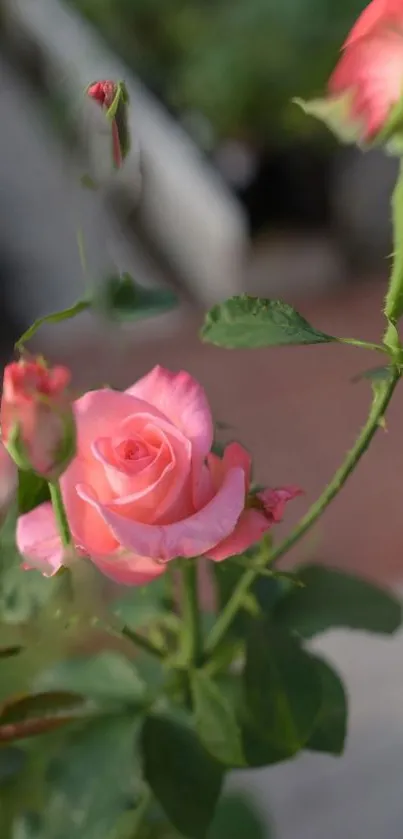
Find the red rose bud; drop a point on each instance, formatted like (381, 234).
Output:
(114, 99)
(8, 482)
(37, 420)
(272, 502)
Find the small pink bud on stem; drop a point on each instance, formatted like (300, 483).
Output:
(37, 421)
(113, 99)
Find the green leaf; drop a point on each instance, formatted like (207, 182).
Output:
(32, 491)
(237, 817)
(107, 676)
(260, 752)
(138, 606)
(227, 576)
(55, 317)
(94, 781)
(282, 690)
(122, 121)
(335, 113)
(185, 779)
(12, 761)
(258, 322)
(332, 599)
(123, 299)
(375, 374)
(330, 730)
(215, 721)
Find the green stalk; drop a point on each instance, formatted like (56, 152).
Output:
(60, 513)
(365, 345)
(142, 642)
(380, 403)
(394, 299)
(192, 635)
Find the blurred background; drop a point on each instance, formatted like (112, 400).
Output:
(228, 188)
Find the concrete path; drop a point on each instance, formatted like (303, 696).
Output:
(357, 796)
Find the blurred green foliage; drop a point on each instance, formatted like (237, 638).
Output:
(236, 62)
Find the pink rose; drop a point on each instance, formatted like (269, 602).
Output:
(371, 67)
(144, 487)
(37, 422)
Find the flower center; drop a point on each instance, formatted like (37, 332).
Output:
(131, 450)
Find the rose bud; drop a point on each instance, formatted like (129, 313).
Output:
(37, 421)
(370, 70)
(365, 102)
(272, 502)
(113, 99)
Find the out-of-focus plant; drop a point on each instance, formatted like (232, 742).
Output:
(235, 63)
(124, 700)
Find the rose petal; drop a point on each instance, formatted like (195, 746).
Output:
(108, 452)
(192, 536)
(38, 540)
(373, 70)
(126, 485)
(234, 456)
(183, 400)
(377, 12)
(274, 501)
(160, 491)
(99, 412)
(88, 528)
(128, 569)
(251, 526)
(171, 499)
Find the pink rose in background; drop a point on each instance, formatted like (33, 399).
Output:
(371, 67)
(8, 481)
(145, 488)
(37, 422)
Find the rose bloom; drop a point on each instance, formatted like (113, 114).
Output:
(371, 67)
(145, 488)
(36, 416)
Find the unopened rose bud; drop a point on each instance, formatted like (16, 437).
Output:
(8, 482)
(113, 99)
(37, 420)
(272, 502)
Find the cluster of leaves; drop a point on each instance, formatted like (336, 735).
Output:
(235, 63)
(100, 739)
